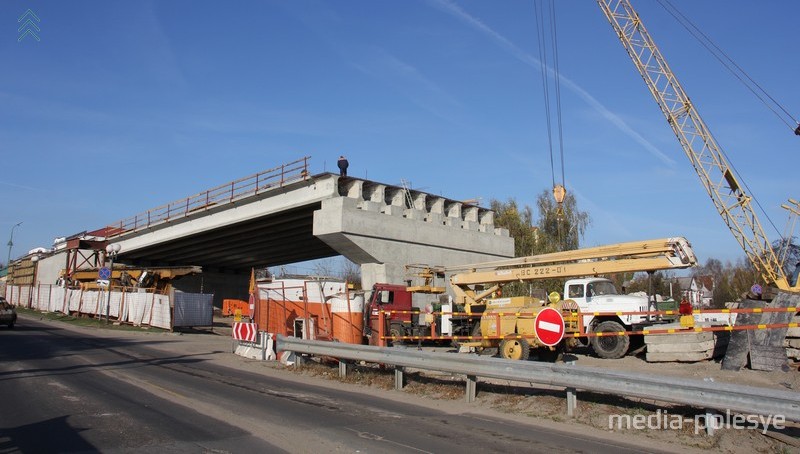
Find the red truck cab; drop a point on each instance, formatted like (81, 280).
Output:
(388, 297)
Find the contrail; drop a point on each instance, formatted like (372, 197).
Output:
(456, 11)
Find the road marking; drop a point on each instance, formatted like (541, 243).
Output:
(374, 437)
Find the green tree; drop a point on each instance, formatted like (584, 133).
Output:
(742, 276)
(661, 284)
(519, 223)
(731, 281)
(563, 229)
(551, 232)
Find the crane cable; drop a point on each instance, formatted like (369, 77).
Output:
(545, 86)
(557, 79)
(558, 189)
(757, 90)
(706, 42)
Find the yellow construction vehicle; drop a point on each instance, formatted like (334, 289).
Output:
(489, 321)
(717, 176)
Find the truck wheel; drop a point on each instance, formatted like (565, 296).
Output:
(612, 346)
(396, 330)
(517, 349)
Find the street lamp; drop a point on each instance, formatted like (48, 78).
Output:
(111, 251)
(11, 244)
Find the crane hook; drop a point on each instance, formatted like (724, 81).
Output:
(559, 192)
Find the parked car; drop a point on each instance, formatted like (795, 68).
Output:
(8, 315)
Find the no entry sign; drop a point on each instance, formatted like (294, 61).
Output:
(245, 331)
(549, 326)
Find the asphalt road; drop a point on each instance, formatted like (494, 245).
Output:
(64, 389)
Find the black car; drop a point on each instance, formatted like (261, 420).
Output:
(8, 315)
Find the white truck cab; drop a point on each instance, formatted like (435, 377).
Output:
(600, 295)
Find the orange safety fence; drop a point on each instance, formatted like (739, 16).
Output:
(582, 333)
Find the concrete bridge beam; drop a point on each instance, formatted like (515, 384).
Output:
(383, 244)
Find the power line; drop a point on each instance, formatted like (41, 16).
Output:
(737, 71)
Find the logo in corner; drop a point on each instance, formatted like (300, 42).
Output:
(29, 19)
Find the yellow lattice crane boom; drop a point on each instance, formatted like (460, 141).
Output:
(717, 176)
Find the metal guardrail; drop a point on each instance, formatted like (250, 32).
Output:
(226, 193)
(696, 393)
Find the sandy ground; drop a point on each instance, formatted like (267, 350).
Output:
(543, 406)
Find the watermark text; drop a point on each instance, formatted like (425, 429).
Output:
(663, 420)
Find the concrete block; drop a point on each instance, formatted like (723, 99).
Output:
(794, 332)
(486, 228)
(250, 352)
(792, 343)
(452, 222)
(367, 205)
(681, 347)
(434, 218)
(393, 210)
(683, 338)
(411, 213)
(767, 357)
(685, 347)
(691, 357)
(469, 225)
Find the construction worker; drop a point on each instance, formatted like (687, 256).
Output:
(685, 307)
(343, 164)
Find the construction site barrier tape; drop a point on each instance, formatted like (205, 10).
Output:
(757, 310)
(664, 331)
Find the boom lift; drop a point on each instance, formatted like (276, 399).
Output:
(504, 319)
(717, 176)
(649, 255)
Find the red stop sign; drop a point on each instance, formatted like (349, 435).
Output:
(549, 326)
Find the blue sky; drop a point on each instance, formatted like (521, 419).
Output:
(124, 106)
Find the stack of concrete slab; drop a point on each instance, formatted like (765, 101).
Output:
(792, 341)
(688, 346)
(762, 348)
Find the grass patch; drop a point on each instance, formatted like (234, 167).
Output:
(85, 321)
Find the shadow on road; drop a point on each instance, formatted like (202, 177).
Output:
(52, 435)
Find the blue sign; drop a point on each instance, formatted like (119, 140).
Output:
(104, 273)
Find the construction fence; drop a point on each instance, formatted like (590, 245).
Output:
(136, 307)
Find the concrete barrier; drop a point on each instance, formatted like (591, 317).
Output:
(685, 347)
